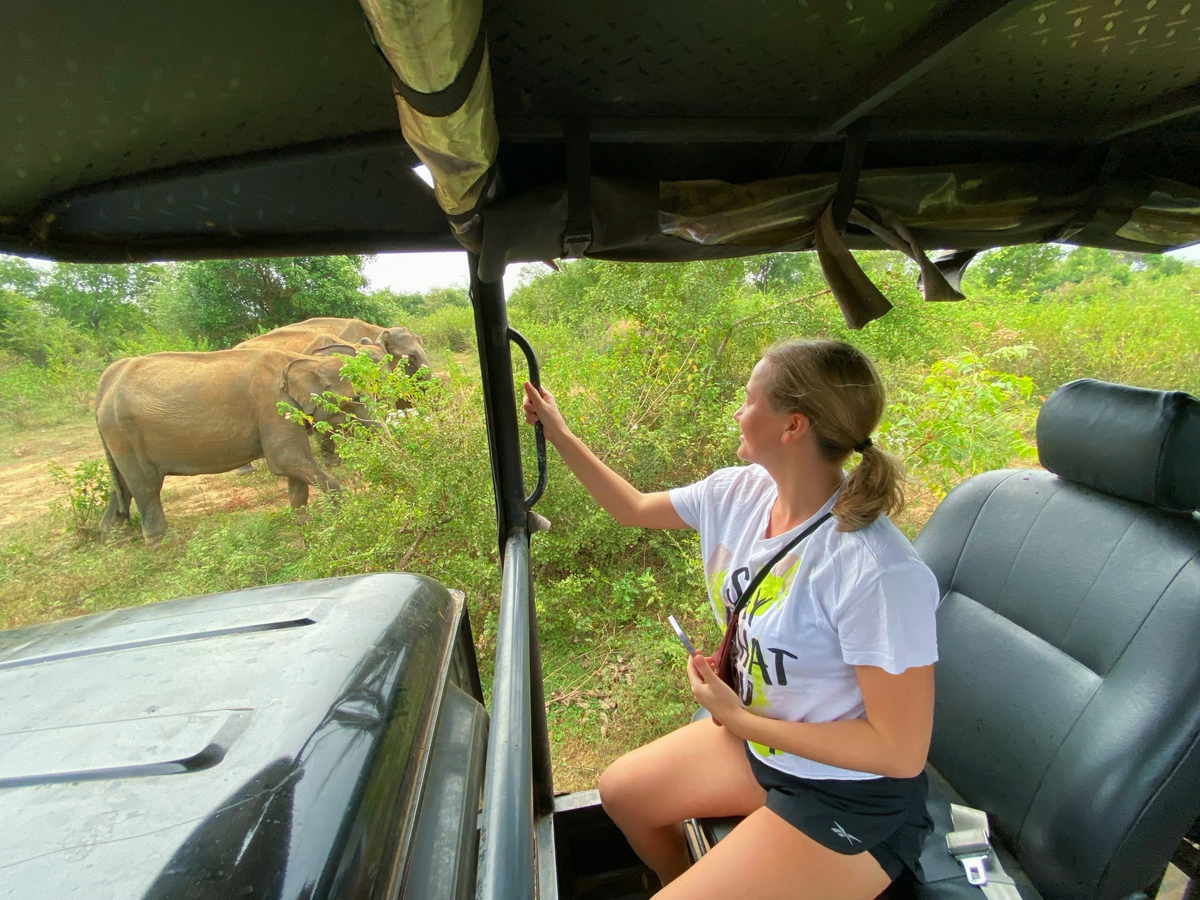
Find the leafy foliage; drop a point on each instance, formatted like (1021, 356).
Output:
(226, 300)
(100, 297)
(448, 328)
(964, 417)
(416, 304)
(87, 489)
(18, 276)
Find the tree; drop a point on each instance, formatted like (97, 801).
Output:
(402, 305)
(1025, 268)
(19, 276)
(1091, 262)
(99, 297)
(785, 271)
(227, 300)
(1159, 265)
(417, 305)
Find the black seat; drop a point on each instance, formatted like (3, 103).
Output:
(1068, 685)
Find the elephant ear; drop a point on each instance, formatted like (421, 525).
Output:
(302, 378)
(324, 344)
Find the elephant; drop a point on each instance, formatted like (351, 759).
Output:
(397, 341)
(330, 345)
(200, 413)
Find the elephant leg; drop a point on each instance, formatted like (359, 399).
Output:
(247, 469)
(287, 453)
(154, 521)
(328, 449)
(117, 512)
(133, 478)
(297, 493)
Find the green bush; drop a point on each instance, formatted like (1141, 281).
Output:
(963, 418)
(46, 395)
(448, 328)
(87, 488)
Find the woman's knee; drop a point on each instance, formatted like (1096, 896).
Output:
(621, 785)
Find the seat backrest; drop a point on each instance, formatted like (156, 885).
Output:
(1068, 685)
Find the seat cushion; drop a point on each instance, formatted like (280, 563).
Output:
(941, 877)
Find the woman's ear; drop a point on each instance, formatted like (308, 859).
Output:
(797, 426)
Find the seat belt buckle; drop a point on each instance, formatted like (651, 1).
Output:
(971, 848)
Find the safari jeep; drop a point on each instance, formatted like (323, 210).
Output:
(329, 739)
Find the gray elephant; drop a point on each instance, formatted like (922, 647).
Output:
(331, 345)
(398, 341)
(200, 413)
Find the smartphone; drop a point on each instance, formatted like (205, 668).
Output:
(683, 639)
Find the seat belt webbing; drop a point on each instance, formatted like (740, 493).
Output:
(970, 843)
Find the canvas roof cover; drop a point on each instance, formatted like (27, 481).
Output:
(621, 130)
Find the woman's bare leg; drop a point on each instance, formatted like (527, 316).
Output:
(699, 770)
(768, 859)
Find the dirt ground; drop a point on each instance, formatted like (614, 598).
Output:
(25, 481)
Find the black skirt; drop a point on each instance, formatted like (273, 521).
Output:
(885, 817)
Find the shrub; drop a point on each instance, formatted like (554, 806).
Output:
(46, 395)
(964, 417)
(448, 328)
(87, 488)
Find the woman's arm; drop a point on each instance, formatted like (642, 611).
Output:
(892, 739)
(618, 497)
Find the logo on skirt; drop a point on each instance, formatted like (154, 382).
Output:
(843, 833)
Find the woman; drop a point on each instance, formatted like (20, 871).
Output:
(823, 751)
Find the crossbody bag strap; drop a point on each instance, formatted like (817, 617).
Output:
(745, 596)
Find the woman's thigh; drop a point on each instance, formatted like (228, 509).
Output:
(698, 770)
(766, 858)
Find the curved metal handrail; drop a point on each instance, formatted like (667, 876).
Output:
(539, 435)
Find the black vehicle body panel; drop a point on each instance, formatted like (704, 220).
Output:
(266, 743)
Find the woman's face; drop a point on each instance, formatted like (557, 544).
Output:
(761, 427)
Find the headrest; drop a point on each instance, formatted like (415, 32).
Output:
(1131, 442)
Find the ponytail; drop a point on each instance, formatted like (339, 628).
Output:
(873, 488)
(837, 388)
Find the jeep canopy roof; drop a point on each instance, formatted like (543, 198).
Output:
(181, 130)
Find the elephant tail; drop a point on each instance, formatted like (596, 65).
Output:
(119, 491)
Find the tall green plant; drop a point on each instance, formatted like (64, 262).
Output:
(87, 488)
(964, 417)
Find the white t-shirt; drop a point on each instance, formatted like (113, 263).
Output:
(838, 600)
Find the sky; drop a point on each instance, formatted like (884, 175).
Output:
(418, 272)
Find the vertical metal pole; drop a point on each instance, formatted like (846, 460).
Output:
(504, 446)
(507, 862)
(499, 403)
(543, 776)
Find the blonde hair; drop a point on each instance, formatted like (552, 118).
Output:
(836, 387)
